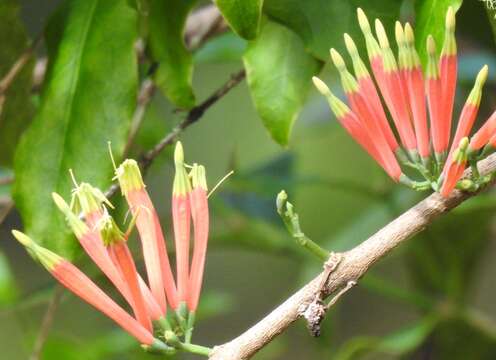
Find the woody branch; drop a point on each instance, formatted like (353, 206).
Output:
(352, 266)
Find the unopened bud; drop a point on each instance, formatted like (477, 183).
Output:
(281, 200)
(78, 227)
(129, 176)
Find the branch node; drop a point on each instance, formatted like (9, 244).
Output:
(315, 311)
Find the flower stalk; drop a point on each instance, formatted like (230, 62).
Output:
(291, 220)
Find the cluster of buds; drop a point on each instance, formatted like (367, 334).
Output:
(99, 235)
(410, 94)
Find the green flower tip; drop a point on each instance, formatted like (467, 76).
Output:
(381, 34)
(89, 198)
(350, 45)
(431, 46)
(281, 200)
(78, 227)
(463, 145)
(179, 154)
(450, 19)
(337, 59)
(409, 35)
(399, 34)
(23, 239)
(129, 176)
(182, 184)
(363, 21)
(321, 86)
(110, 231)
(198, 177)
(47, 258)
(482, 76)
(460, 154)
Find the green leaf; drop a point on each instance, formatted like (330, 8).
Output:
(88, 99)
(243, 16)
(491, 16)
(321, 23)
(430, 17)
(279, 73)
(223, 48)
(17, 109)
(166, 25)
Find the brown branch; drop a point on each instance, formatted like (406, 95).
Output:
(353, 265)
(6, 180)
(201, 25)
(204, 23)
(145, 95)
(17, 66)
(7, 206)
(47, 322)
(192, 117)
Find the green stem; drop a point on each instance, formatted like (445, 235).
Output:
(189, 327)
(311, 246)
(164, 324)
(292, 222)
(172, 340)
(196, 349)
(475, 170)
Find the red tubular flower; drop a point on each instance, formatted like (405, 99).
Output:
(89, 200)
(483, 136)
(366, 117)
(369, 92)
(352, 124)
(181, 216)
(78, 283)
(405, 89)
(415, 85)
(375, 56)
(470, 109)
(455, 167)
(90, 239)
(397, 92)
(199, 212)
(448, 66)
(123, 260)
(434, 99)
(151, 304)
(152, 240)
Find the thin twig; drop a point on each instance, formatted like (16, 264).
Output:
(192, 117)
(204, 23)
(47, 322)
(6, 209)
(144, 97)
(6, 180)
(354, 264)
(17, 66)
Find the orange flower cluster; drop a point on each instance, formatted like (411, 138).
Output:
(107, 246)
(420, 105)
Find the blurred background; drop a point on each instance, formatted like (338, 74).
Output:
(432, 298)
